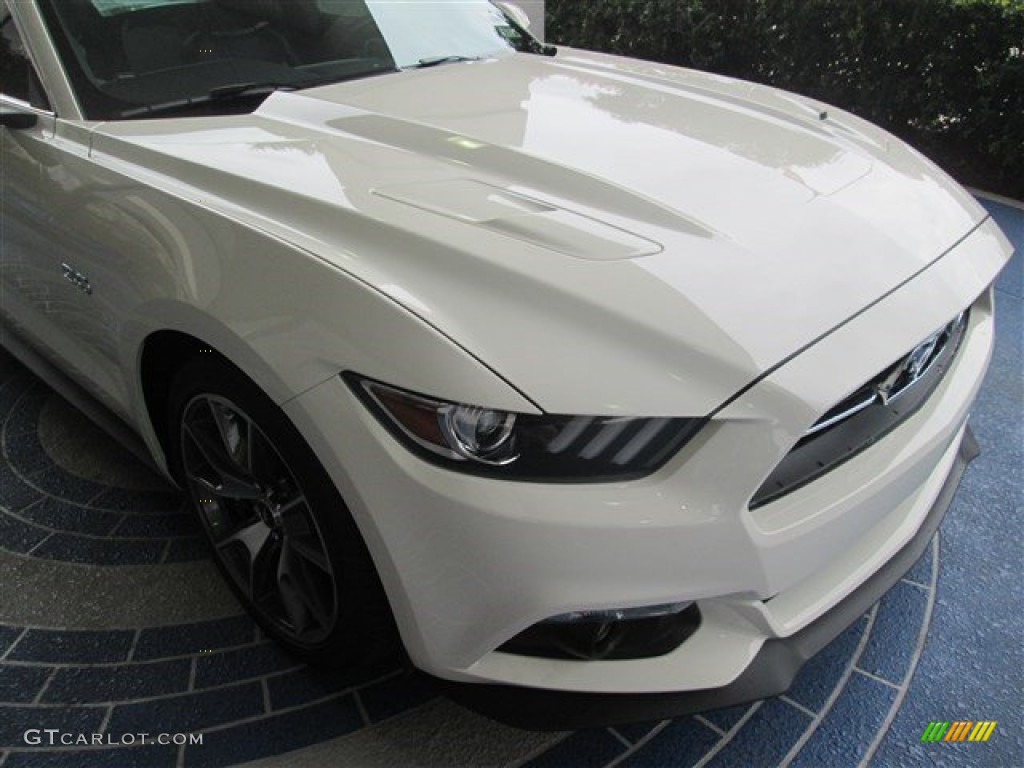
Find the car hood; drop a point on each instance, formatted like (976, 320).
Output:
(609, 236)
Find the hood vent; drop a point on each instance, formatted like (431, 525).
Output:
(522, 218)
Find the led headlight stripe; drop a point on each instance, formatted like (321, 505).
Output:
(604, 438)
(539, 448)
(568, 436)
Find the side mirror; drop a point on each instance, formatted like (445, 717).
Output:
(16, 119)
(519, 16)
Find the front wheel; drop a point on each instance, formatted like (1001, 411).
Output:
(278, 527)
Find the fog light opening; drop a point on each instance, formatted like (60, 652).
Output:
(621, 633)
(620, 614)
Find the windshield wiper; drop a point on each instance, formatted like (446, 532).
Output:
(256, 88)
(433, 61)
(221, 93)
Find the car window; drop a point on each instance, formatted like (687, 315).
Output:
(142, 58)
(17, 76)
(429, 29)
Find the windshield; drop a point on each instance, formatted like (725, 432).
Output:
(151, 58)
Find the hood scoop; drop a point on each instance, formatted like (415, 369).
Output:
(522, 218)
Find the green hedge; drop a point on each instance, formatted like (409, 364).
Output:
(946, 75)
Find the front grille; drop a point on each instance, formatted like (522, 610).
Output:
(867, 415)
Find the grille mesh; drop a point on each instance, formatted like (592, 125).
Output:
(867, 415)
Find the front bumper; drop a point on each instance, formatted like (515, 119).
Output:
(471, 562)
(770, 673)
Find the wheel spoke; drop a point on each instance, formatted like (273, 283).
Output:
(300, 534)
(291, 593)
(251, 568)
(230, 482)
(300, 591)
(263, 572)
(293, 516)
(308, 549)
(253, 536)
(235, 434)
(321, 610)
(221, 490)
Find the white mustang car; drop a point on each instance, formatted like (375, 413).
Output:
(612, 390)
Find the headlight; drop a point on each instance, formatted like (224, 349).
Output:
(521, 446)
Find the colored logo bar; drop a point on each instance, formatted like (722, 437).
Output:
(958, 730)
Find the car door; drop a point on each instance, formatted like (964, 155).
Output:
(26, 296)
(53, 233)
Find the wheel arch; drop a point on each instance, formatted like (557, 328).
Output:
(165, 351)
(163, 354)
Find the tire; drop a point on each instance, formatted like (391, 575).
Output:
(277, 526)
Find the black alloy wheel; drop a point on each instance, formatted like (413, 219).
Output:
(258, 519)
(277, 526)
